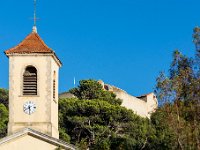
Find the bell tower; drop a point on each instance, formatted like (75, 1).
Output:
(33, 86)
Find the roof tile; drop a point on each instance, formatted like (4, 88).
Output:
(31, 44)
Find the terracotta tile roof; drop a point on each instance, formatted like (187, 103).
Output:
(31, 44)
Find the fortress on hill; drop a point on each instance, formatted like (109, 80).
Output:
(143, 105)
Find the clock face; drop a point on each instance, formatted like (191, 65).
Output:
(29, 107)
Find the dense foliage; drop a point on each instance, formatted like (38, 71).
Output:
(4, 97)
(177, 121)
(98, 124)
(96, 120)
(3, 112)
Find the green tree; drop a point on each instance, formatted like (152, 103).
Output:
(3, 112)
(102, 125)
(3, 120)
(4, 97)
(179, 96)
(96, 120)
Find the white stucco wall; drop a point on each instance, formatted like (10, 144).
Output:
(139, 106)
(142, 107)
(133, 103)
(27, 142)
(45, 118)
(54, 102)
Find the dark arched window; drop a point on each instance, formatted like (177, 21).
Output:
(30, 81)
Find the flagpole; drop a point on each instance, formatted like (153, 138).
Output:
(74, 81)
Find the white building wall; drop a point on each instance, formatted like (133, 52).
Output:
(41, 120)
(133, 103)
(27, 142)
(54, 102)
(143, 106)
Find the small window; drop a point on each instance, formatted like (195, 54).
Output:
(54, 85)
(30, 81)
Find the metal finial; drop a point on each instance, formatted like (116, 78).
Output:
(34, 18)
(35, 13)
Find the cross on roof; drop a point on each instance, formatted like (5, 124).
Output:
(34, 17)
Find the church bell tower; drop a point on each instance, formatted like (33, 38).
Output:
(33, 86)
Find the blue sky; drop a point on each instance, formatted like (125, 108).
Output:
(126, 43)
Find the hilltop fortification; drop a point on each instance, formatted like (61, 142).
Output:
(142, 105)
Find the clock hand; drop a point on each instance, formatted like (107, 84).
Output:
(29, 107)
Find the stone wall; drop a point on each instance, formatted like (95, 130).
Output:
(143, 105)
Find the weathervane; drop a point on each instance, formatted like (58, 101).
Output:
(35, 19)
